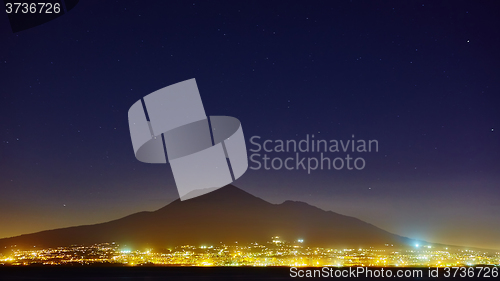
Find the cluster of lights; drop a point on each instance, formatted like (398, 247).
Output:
(277, 252)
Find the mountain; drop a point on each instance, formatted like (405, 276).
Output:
(226, 215)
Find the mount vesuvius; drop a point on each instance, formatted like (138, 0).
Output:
(226, 215)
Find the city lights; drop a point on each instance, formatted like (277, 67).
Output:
(276, 252)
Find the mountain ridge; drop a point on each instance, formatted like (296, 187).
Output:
(226, 215)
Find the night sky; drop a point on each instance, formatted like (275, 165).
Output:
(421, 77)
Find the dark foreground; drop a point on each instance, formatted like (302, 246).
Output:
(195, 273)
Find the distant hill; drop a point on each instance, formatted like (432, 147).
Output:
(226, 215)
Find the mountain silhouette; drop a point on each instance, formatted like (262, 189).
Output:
(226, 215)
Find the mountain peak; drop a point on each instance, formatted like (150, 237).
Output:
(228, 192)
(226, 197)
(225, 215)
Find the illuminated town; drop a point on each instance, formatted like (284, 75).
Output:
(273, 253)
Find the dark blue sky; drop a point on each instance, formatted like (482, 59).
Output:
(421, 77)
